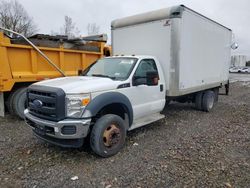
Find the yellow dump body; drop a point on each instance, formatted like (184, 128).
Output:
(23, 64)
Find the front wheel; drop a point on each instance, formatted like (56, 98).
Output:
(108, 135)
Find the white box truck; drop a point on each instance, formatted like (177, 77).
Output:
(169, 54)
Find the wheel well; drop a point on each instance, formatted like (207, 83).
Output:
(117, 109)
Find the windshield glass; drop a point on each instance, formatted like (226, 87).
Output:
(114, 68)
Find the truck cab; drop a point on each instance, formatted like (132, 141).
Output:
(114, 95)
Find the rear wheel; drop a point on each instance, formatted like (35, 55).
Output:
(108, 135)
(198, 101)
(17, 102)
(208, 100)
(9, 103)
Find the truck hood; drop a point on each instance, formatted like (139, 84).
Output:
(81, 84)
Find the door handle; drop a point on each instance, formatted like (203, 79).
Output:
(161, 88)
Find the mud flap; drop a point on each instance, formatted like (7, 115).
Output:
(1, 105)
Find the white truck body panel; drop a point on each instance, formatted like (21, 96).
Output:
(141, 40)
(194, 51)
(204, 52)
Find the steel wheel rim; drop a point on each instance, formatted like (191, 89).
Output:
(111, 136)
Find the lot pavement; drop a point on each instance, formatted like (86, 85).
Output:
(187, 148)
(234, 77)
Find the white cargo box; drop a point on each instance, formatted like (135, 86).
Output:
(194, 51)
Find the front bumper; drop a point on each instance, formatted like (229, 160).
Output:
(65, 133)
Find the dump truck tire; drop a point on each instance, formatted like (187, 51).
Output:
(19, 102)
(9, 103)
(208, 101)
(108, 135)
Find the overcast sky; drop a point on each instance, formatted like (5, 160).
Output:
(49, 14)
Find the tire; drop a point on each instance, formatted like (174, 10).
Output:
(198, 101)
(9, 103)
(208, 101)
(19, 102)
(105, 128)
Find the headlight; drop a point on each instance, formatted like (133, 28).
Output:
(75, 104)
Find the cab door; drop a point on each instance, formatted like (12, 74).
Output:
(147, 98)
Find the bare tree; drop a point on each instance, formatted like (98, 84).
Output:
(69, 28)
(13, 16)
(93, 29)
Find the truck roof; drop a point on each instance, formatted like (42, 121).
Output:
(133, 56)
(165, 13)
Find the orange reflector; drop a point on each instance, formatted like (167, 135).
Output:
(85, 102)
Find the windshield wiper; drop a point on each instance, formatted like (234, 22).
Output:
(104, 76)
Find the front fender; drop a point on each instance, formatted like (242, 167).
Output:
(105, 99)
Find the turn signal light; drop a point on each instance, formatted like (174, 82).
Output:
(85, 102)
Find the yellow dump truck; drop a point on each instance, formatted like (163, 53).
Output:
(21, 64)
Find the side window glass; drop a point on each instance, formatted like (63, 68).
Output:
(145, 66)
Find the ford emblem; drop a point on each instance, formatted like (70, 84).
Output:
(38, 103)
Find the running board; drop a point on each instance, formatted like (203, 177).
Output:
(146, 120)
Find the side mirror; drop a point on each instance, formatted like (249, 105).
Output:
(234, 46)
(152, 78)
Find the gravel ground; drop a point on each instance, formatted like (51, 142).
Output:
(188, 148)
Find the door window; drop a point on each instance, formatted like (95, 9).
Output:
(146, 65)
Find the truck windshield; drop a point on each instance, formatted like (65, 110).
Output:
(114, 68)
